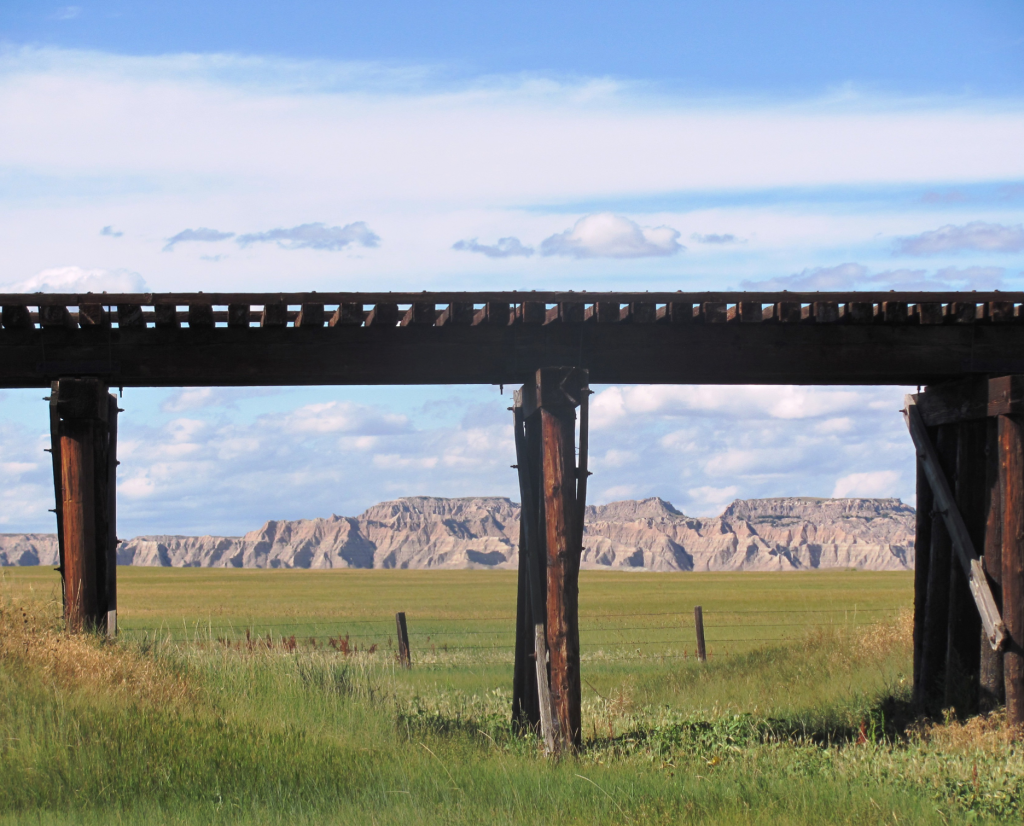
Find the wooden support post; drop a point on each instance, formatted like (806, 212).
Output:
(531, 611)
(83, 429)
(698, 621)
(991, 692)
(549, 729)
(922, 560)
(1011, 483)
(111, 509)
(963, 656)
(933, 654)
(558, 435)
(404, 656)
(553, 490)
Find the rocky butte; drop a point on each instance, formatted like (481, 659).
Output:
(787, 534)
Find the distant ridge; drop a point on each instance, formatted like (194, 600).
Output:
(785, 534)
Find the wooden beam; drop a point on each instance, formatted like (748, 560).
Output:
(1011, 476)
(971, 398)
(995, 632)
(549, 725)
(558, 394)
(991, 692)
(944, 297)
(935, 644)
(666, 353)
(532, 597)
(922, 560)
(963, 654)
(83, 408)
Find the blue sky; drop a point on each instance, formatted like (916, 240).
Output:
(585, 146)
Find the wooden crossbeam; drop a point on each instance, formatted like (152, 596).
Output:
(945, 504)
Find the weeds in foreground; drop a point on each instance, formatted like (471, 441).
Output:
(206, 733)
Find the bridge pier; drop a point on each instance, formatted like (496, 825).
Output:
(546, 681)
(969, 582)
(83, 438)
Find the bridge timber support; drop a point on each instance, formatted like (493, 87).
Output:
(969, 577)
(553, 490)
(83, 438)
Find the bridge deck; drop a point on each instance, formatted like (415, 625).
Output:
(196, 339)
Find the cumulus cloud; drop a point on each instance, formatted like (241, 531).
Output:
(611, 407)
(344, 417)
(870, 484)
(505, 248)
(108, 230)
(79, 280)
(713, 238)
(201, 234)
(315, 237)
(977, 236)
(605, 235)
(851, 276)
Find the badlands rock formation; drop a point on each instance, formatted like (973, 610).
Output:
(650, 534)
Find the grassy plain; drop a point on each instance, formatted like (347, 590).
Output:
(182, 721)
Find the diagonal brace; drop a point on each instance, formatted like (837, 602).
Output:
(995, 631)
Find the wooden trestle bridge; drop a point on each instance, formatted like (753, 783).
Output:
(967, 426)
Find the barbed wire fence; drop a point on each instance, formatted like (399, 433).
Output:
(437, 641)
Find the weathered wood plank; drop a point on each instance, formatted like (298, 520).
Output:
(963, 654)
(563, 550)
(55, 316)
(602, 312)
(200, 316)
(493, 313)
(639, 312)
(972, 398)
(1011, 482)
(275, 314)
(129, 317)
(939, 468)
(922, 560)
(991, 691)
(165, 317)
(312, 315)
(421, 312)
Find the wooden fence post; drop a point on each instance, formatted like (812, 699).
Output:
(1011, 483)
(698, 622)
(404, 657)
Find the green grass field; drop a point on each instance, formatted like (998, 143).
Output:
(800, 716)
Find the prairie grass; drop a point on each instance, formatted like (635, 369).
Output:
(153, 730)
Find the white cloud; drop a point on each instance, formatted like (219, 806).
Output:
(79, 280)
(851, 276)
(204, 234)
(619, 492)
(336, 417)
(505, 248)
(977, 236)
(315, 237)
(710, 501)
(870, 484)
(604, 235)
(611, 406)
